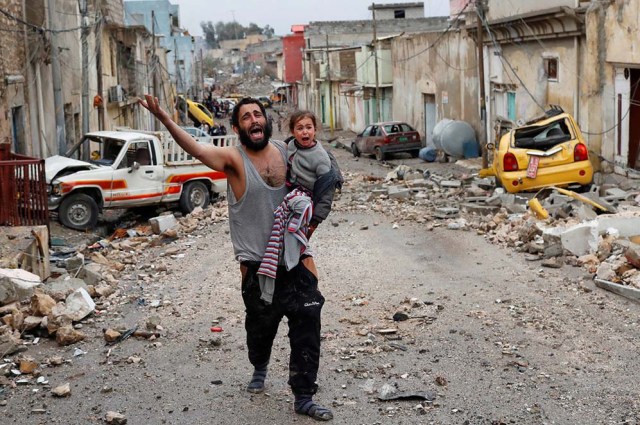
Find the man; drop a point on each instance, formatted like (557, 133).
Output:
(256, 173)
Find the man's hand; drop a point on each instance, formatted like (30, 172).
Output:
(312, 228)
(152, 104)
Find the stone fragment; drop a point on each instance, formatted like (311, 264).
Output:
(66, 335)
(554, 262)
(104, 290)
(17, 285)
(79, 304)
(57, 318)
(605, 272)
(632, 254)
(63, 390)
(31, 322)
(111, 335)
(28, 365)
(42, 304)
(162, 223)
(91, 274)
(115, 418)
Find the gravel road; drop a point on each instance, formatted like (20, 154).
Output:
(491, 337)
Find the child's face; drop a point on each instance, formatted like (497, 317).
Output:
(305, 132)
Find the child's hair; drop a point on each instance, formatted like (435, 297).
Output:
(298, 115)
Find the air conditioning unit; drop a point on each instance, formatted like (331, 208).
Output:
(116, 94)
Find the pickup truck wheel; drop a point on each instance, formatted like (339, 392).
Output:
(380, 156)
(194, 194)
(79, 212)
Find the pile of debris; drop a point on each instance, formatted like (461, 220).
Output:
(599, 230)
(86, 286)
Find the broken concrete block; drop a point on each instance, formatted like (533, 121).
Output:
(632, 254)
(584, 212)
(79, 304)
(60, 289)
(615, 193)
(161, 223)
(91, 274)
(17, 285)
(580, 239)
(446, 212)
(627, 225)
(451, 184)
(398, 193)
(73, 264)
(552, 243)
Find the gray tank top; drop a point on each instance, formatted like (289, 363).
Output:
(251, 217)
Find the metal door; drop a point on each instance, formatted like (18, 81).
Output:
(429, 117)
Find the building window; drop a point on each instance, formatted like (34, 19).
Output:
(398, 14)
(551, 68)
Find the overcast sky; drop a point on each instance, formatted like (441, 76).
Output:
(281, 14)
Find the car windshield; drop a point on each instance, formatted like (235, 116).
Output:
(542, 136)
(100, 150)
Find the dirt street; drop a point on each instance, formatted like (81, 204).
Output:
(490, 338)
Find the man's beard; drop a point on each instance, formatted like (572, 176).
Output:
(245, 138)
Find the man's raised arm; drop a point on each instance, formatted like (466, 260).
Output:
(211, 156)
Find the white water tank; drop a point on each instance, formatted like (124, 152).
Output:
(456, 139)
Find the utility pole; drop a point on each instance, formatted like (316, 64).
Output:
(483, 106)
(330, 88)
(375, 57)
(154, 67)
(99, 68)
(85, 70)
(58, 102)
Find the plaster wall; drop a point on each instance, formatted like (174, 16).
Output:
(498, 9)
(447, 71)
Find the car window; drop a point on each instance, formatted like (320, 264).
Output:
(405, 127)
(137, 152)
(375, 131)
(542, 137)
(367, 131)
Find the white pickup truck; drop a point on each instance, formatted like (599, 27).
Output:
(128, 169)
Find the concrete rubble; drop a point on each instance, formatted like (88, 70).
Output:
(86, 288)
(600, 227)
(89, 284)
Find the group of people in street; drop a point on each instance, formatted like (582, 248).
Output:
(278, 193)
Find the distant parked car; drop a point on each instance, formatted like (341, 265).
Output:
(547, 151)
(383, 138)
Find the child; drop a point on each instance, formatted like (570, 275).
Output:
(311, 168)
(312, 177)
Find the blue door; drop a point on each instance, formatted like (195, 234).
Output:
(511, 105)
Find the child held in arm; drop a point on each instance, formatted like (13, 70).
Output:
(312, 178)
(310, 168)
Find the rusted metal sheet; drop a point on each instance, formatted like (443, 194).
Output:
(23, 190)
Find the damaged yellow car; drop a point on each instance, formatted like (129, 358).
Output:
(547, 152)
